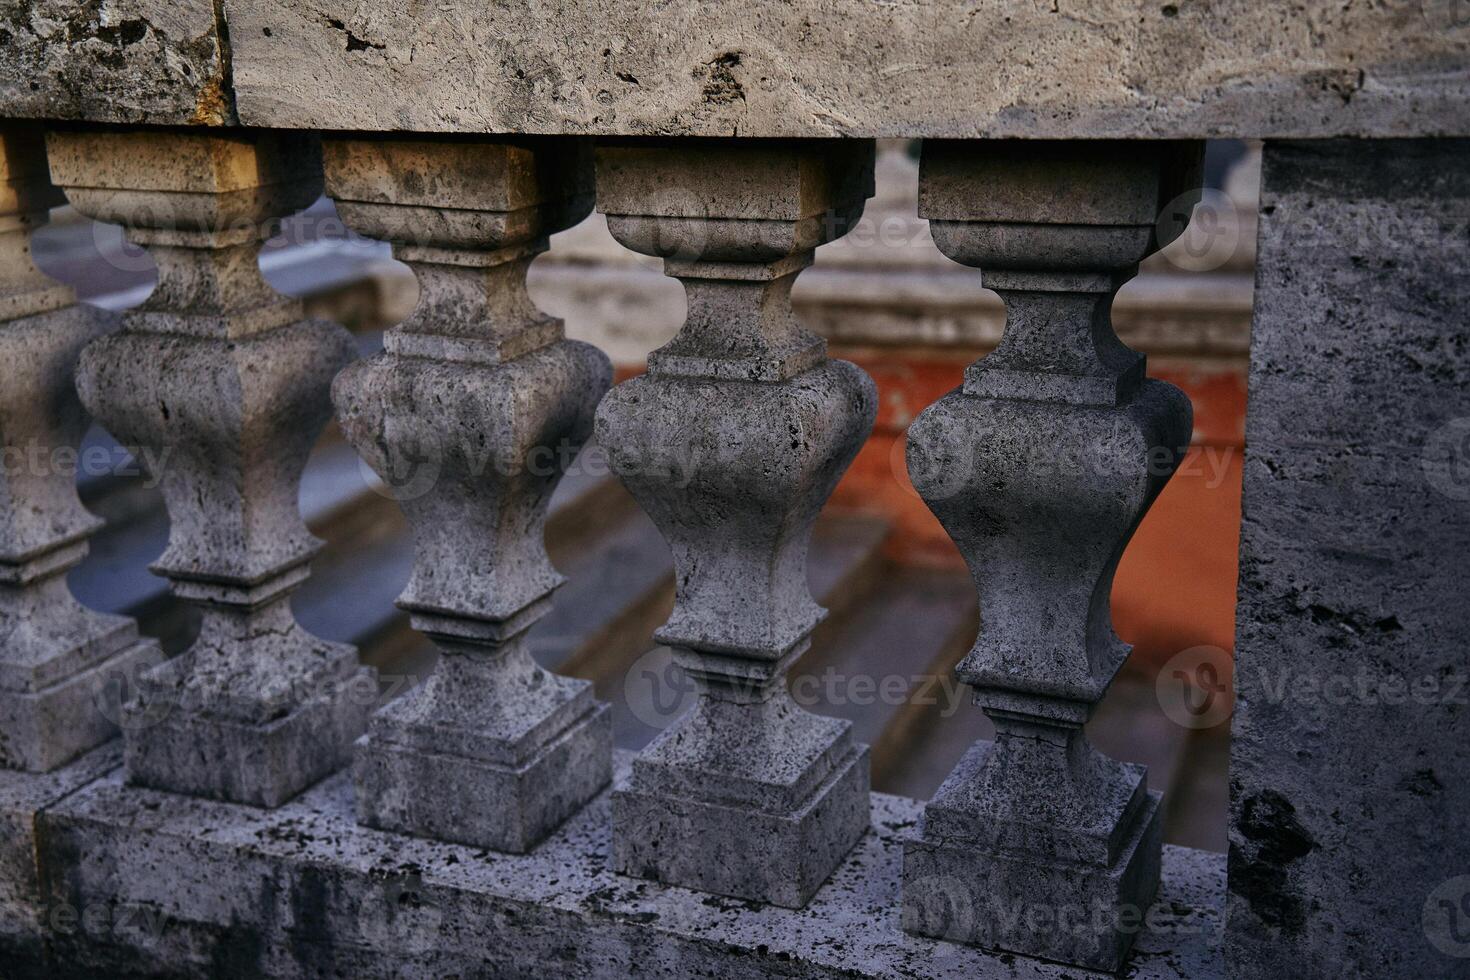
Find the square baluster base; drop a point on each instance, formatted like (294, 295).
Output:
(779, 858)
(471, 801)
(174, 749)
(1082, 914)
(44, 729)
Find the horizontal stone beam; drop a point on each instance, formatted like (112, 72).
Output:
(798, 68)
(145, 881)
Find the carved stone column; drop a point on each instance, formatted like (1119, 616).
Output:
(56, 655)
(471, 415)
(228, 385)
(1040, 467)
(732, 442)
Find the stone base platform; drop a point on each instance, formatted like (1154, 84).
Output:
(479, 803)
(198, 888)
(260, 764)
(707, 845)
(48, 728)
(1070, 912)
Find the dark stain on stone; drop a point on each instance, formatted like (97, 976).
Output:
(721, 86)
(1273, 838)
(1422, 782)
(1351, 624)
(354, 43)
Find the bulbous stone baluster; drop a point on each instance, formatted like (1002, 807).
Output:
(472, 414)
(56, 655)
(732, 442)
(228, 385)
(1040, 467)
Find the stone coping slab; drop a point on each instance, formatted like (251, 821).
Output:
(23, 797)
(193, 887)
(862, 68)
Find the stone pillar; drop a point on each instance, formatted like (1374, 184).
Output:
(227, 384)
(57, 657)
(1039, 467)
(1350, 743)
(732, 442)
(472, 415)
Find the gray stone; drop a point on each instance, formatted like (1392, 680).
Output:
(26, 916)
(195, 888)
(227, 385)
(1350, 812)
(127, 61)
(472, 415)
(60, 662)
(1039, 467)
(732, 442)
(764, 68)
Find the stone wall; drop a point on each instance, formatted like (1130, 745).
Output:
(1350, 809)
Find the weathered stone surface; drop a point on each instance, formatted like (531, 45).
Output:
(56, 656)
(732, 442)
(1039, 467)
(471, 415)
(120, 61)
(951, 68)
(227, 385)
(1350, 812)
(196, 888)
(25, 917)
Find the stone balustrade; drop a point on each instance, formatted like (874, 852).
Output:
(256, 805)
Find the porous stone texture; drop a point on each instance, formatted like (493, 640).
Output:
(1039, 467)
(25, 916)
(195, 888)
(227, 386)
(471, 415)
(121, 61)
(59, 661)
(1350, 811)
(732, 442)
(808, 68)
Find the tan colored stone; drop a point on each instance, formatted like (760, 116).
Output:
(1121, 68)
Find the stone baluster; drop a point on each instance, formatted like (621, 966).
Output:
(57, 658)
(471, 415)
(1040, 467)
(227, 385)
(732, 442)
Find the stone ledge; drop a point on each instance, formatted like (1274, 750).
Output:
(197, 888)
(941, 68)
